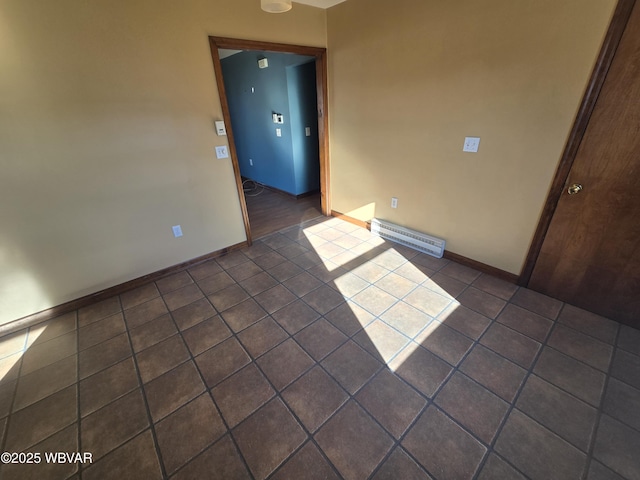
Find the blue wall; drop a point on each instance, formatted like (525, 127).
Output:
(287, 86)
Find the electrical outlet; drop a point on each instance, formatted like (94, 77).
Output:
(222, 152)
(307, 131)
(471, 144)
(251, 162)
(177, 231)
(394, 202)
(278, 132)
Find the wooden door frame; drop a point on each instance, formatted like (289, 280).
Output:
(320, 55)
(603, 63)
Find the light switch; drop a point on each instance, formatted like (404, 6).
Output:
(220, 128)
(471, 144)
(222, 152)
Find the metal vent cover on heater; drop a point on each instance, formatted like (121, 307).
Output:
(410, 238)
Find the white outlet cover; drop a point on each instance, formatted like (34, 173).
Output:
(222, 152)
(177, 231)
(471, 144)
(307, 131)
(394, 202)
(278, 132)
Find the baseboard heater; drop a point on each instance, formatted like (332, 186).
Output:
(409, 238)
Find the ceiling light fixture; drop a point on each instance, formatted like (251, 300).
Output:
(276, 6)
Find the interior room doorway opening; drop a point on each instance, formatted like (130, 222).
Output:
(290, 197)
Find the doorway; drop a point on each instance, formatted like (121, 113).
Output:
(318, 57)
(587, 248)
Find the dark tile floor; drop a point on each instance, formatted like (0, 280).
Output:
(324, 352)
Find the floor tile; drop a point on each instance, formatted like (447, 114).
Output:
(262, 337)
(421, 368)
(113, 425)
(243, 315)
(351, 366)
(599, 327)
(98, 311)
(100, 331)
(320, 338)
(621, 402)
(374, 300)
(381, 341)
(292, 251)
(221, 361)
(617, 447)
(40, 355)
(150, 333)
(370, 272)
(231, 260)
(466, 321)
(285, 271)
(629, 339)
(349, 284)
(526, 322)
(391, 401)
(445, 285)
(194, 313)
(495, 286)
(204, 270)
(46, 381)
(145, 312)
(494, 372)
(53, 328)
(511, 344)
(481, 302)
(64, 441)
(135, 459)
(161, 358)
(582, 347)
(307, 463)
(560, 412)
(400, 465)
(102, 388)
(537, 303)
(406, 319)
(221, 461)
(414, 272)
(427, 301)
(295, 316)
(258, 283)
(242, 394)
(268, 437)
(349, 318)
(188, 431)
(442, 447)
(554, 457)
(206, 334)
(269, 260)
(472, 406)
(496, 468)
(256, 250)
(626, 367)
(245, 270)
(171, 390)
(284, 363)
(460, 272)
(314, 397)
(215, 283)
(597, 471)
(275, 298)
(389, 259)
(174, 282)
(183, 296)
(228, 297)
(341, 439)
(104, 355)
(323, 299)
(444, 342)
(46, 417)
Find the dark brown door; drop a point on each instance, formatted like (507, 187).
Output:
(591, 254)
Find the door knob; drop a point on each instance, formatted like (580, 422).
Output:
(575, 188)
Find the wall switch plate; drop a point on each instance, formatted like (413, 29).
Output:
(250, 162)
(307, 131)
(394, 202)
(471, 144)
(222, 152)
(177, 231)
(278, 132)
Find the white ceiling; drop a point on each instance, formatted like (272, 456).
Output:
(320, 3)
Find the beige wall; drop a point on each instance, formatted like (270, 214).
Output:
(107, 139)
(409, 79)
